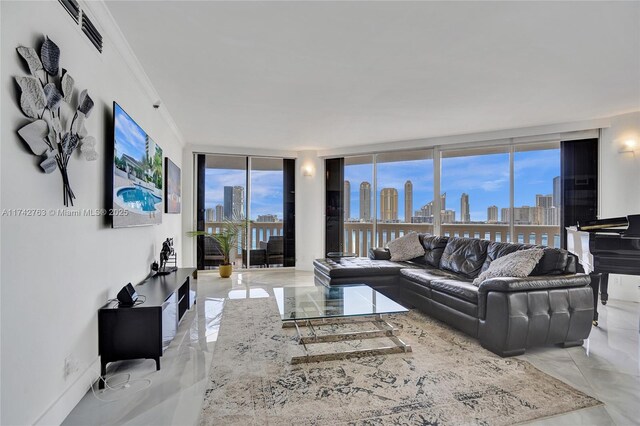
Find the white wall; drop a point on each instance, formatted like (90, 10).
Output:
(620, 188)
(57, 271)
(310, 210)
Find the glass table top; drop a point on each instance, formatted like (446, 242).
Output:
(340, 301)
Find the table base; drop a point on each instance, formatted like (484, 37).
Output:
(383, 329)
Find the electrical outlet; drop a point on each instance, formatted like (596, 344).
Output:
(70, 366)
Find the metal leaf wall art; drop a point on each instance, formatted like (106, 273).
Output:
(57, 127)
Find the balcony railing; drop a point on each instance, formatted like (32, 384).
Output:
(358, 236)
(259, 231)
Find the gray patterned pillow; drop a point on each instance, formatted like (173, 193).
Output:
(406, 247)
(517, 264)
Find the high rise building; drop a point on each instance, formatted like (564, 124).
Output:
(347, 200)
(505, 215)
(527, 215)
(267, 218)
(447, 216)
(408, 201)
(219, 213)
(233, 202)
(427, 211)
(550, 216)
(209, 216)
(389, 204)
(465, 214)
(365, 201)
(544, 201)
(557, 201)
(492, 214)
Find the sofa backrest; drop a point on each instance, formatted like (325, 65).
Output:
(464, 256)
(555, 261)
(433, 249)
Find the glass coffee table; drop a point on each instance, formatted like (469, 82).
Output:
(323, 316)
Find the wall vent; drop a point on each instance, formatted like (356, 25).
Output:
(72, 7)
(91, 32)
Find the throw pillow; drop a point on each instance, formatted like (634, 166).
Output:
(516, 264)
(406, 247)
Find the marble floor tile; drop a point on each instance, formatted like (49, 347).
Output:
(606, 366)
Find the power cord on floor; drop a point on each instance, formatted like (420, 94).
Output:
(126, 384)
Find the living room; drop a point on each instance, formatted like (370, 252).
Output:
(328, 212)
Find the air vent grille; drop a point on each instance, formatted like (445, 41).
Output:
(72, 7)
(91, 32)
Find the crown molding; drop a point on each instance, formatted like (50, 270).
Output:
(102, 17)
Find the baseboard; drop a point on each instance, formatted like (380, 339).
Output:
(61, 407)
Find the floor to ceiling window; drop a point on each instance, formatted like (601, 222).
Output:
(248, 191)
(503, 193)
(537, 204)
(405, 194)
(358, 204)
(475, 195)
(225, 186)
(265, 212)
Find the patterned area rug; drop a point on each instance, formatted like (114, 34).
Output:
(448, 379)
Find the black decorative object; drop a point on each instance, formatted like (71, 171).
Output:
(127, 296)
(167, 254)
(57, 128)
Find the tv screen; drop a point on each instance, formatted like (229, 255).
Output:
(137, 174)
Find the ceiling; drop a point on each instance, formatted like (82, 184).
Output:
(321, 75)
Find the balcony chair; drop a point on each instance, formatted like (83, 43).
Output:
(212, 253)
(274, 250)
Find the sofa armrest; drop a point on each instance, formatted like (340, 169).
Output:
(511, 284)
(379, 254)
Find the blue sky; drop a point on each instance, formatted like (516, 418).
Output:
(130, 138)
(484, 177)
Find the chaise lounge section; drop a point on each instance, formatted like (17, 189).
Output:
(554, 305)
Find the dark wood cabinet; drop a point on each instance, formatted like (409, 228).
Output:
(145, 330)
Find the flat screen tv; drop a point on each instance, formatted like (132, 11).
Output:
(137, 174)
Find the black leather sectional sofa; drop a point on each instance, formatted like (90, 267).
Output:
(554, 305)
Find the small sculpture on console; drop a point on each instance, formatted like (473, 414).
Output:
(167, 254)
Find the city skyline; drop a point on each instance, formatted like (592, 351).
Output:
(484, 178)
(266, 189)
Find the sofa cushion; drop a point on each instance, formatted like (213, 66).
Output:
(424, 276)
(554, 262)
(406, 247)
(456, 287)
(464, 256)
(496, 250)
(433, 249)
(358, 267)
(379, 254)
(517, 264)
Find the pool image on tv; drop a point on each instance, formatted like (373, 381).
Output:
(137, 178)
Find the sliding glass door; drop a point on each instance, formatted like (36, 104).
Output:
(537, 206)
(248, 192)
(358, 205)
(266, 212)
(405, 194)
(474, 186)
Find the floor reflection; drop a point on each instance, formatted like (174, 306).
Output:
(606, 367)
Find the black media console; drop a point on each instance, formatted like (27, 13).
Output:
(145, 330)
